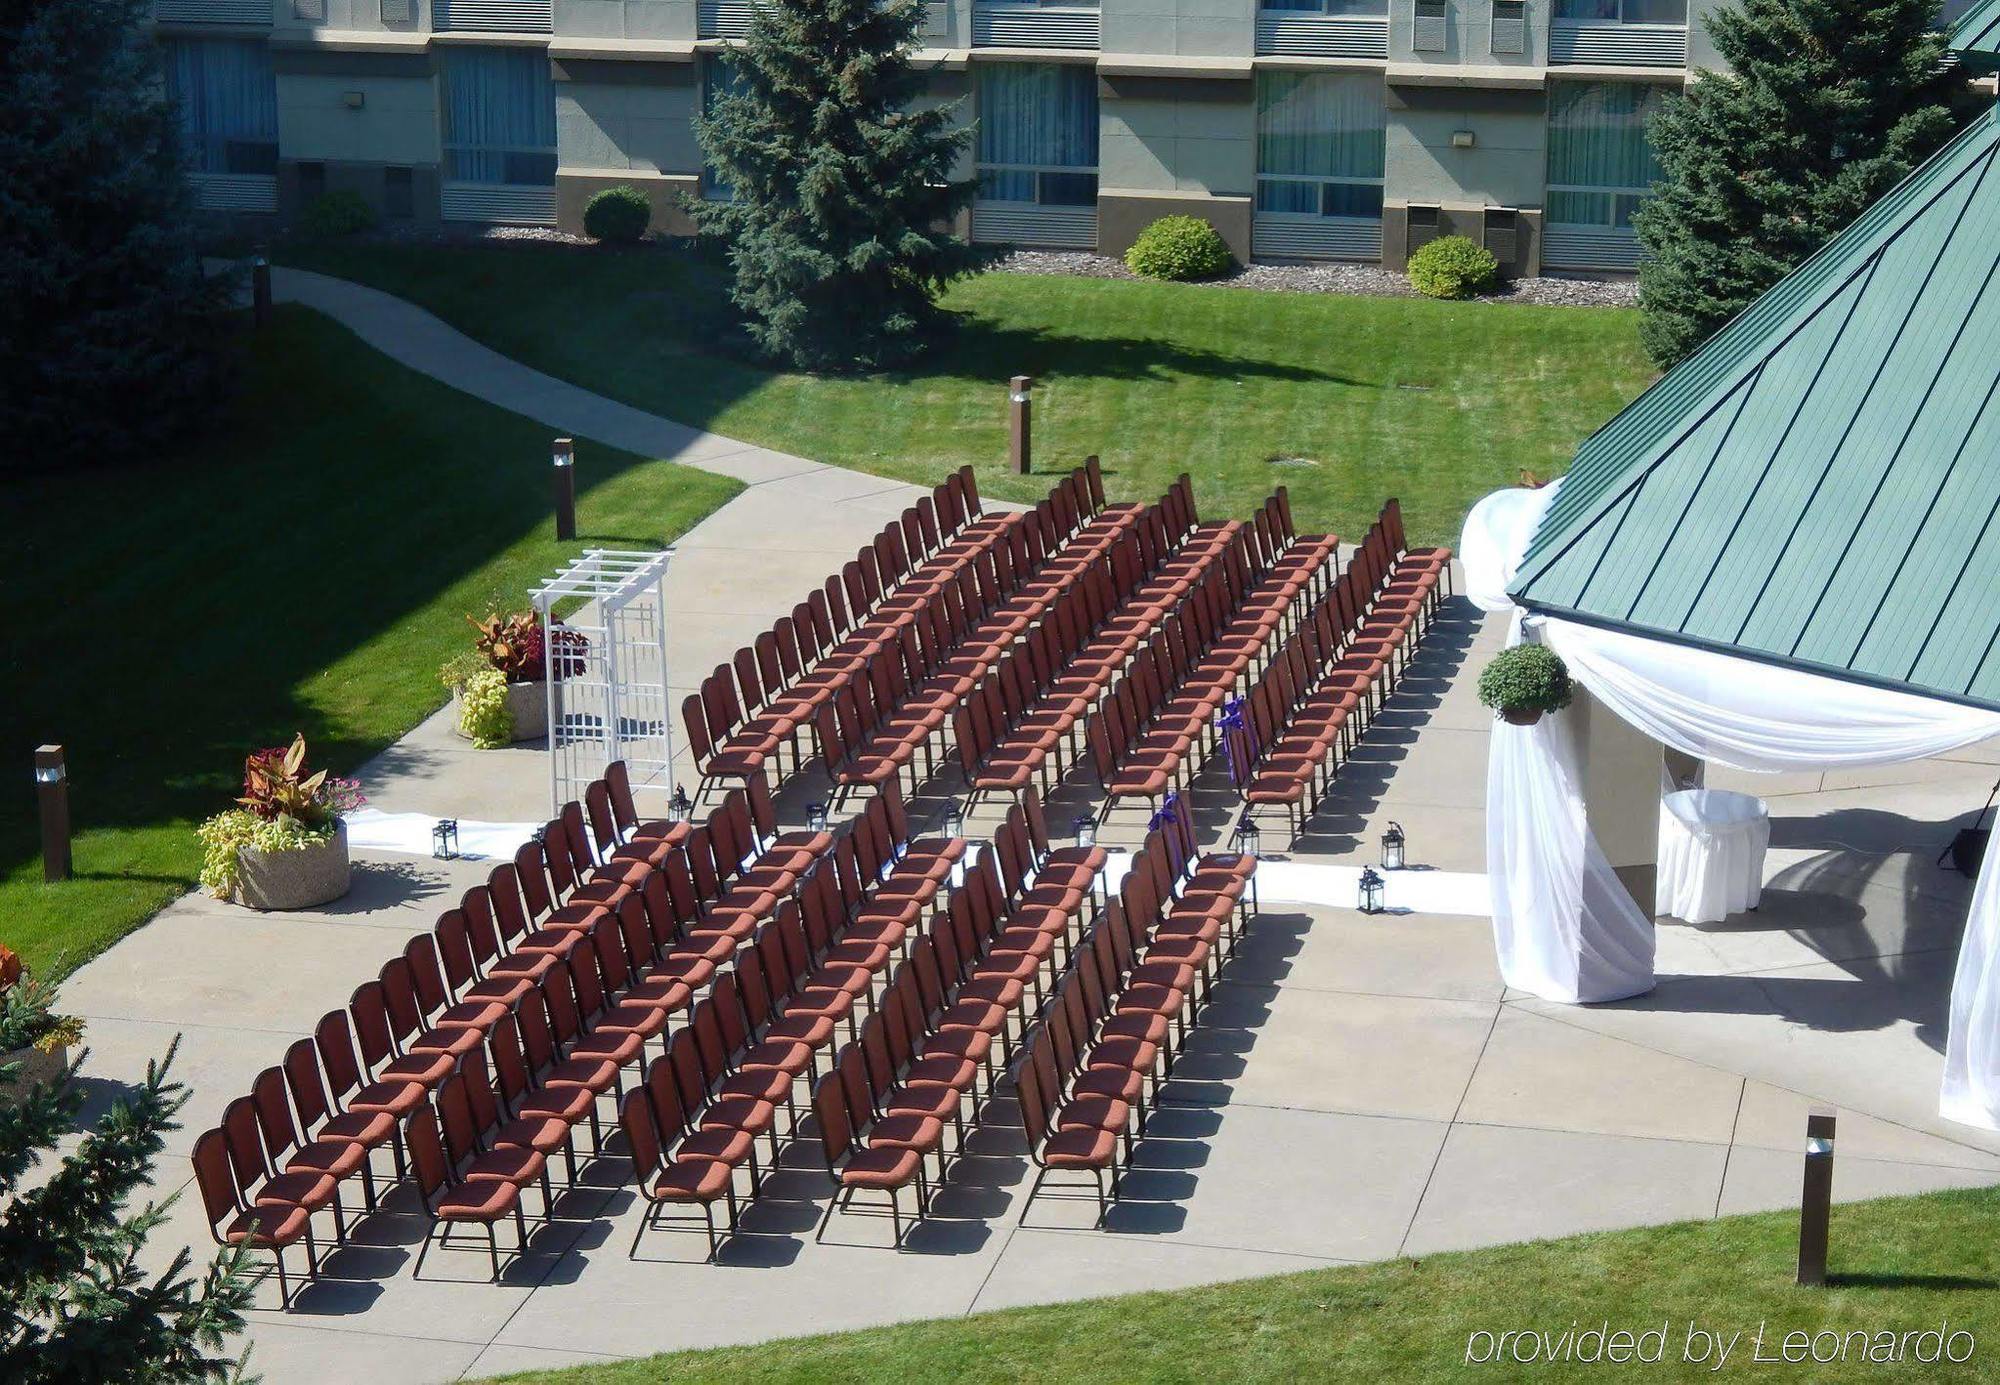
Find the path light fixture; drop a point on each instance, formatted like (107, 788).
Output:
(1086, 831)
(1020, 447)
(680, 807)
(1393, 854)
(1247, 837)
(1373, 892)
(1816, 1197)
(815, 817)
(260, 291)
(52, 794)
(444, 839)
(563, 456)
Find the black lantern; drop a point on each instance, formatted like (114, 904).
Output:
(1245, 839)
(1392, 847)
(954, 818)
(444, 839)
(1372, 891)
(1086, 831)
(680, 808)
(815, 817)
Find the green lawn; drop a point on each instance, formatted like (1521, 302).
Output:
(1903, 1265)
(306, 568)
(1365, 397)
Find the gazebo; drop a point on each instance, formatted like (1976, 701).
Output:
(1784, 555)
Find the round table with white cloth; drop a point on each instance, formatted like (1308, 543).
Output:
(1712, 846)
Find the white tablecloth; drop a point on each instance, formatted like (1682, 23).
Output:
(1711, 854)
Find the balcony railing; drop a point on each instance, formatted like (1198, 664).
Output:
(1034, 26)
(1607, 43)
(212, 11)
(493, 16)
(1302, 34)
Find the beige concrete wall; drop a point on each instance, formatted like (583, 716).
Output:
(396, 123)
(1701, 48)
(1201, 28)
(627, 115)
(1121, 216)
(1621, 793)
(667, 193)
(634, 19)
(349, 16)
(1468, 36)
(1507, 165)
(1193, 135)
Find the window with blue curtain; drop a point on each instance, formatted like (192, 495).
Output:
(499, 115)
(1601, 165)
(1363, 9)
(1038, 134)
(1320, 143)
(718, 76)
(228, 103)
(1624, 11)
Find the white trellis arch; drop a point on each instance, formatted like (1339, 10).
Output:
(607, 671)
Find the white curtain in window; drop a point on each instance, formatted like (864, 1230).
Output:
(1597, 134)
(226, 94)
(1043, 115)
(498, 102)
(1320, 124)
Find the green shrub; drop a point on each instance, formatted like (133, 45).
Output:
(482, 710)
(1525, 678)
(1453, 267)
(619, 215)
(1178, 247)
(342, 212)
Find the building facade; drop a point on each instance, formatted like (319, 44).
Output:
(1303, 129)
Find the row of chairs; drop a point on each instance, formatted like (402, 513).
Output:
(1093, 1070)
(1315, 699)
(1026, 724)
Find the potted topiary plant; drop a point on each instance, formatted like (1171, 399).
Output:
(499, 688)
(1524, 681)
(34, 1040)
(283, 846)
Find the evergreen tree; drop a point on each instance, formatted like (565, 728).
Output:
(839, 231)
(75, 1309)
(1827, 105)
(107, 343)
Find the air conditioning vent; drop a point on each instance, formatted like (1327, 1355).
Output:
(399, 11)
(1421, 228)
(1428, 33)
(1510, 26)
(1503, 236)
(311, 11)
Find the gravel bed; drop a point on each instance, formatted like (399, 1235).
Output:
(1334, 277)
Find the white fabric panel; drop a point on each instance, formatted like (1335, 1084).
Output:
(1712, 845)
(1497, 532)
(369, 829)
(1339, 887)
(1970, 1092)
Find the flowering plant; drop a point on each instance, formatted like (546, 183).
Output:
(512, 643)
(282, 808)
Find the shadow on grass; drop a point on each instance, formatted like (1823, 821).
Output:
(1946, 1282)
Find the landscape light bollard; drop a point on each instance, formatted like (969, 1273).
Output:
(565, 481)
(1020, 449)
(260, 291)
(1816, 1200)
(52, 791)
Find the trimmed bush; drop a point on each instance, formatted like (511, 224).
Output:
(1179, 247)
(1525, 680)
(1453, 267)
(618, 215)
(342, 212)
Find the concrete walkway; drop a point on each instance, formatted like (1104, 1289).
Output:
(1362, 1087)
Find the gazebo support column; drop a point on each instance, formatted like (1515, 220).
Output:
(1621, 794)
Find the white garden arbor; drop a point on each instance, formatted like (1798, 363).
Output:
(606, 617)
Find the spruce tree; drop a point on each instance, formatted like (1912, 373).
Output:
(839, 225)
(1827, 104)
(107, 341)
(75, 1308)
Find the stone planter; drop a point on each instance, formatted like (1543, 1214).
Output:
(301, 879)
(1521, 716)
(527, 711)
(36, 1066)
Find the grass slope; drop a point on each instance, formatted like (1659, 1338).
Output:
(305, 568)
(1907, 1265)
(1439, 403)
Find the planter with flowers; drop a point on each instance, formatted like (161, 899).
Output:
(1525, 681)
(499, 688)
(283, 846)
(34, 1040)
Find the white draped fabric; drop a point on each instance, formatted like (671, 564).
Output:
(1712, 845)
(1559, 932)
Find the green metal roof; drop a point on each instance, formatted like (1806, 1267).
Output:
(1819, 485)
(1976, 36)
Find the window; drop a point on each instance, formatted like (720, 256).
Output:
(718, 77)
(1361, 9)
(499, 116)
(228, 103)
(1624, 11)
(1320, 143)
(1510, 26)
(1430, 20)
(1601, 166)
(1038, 134)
